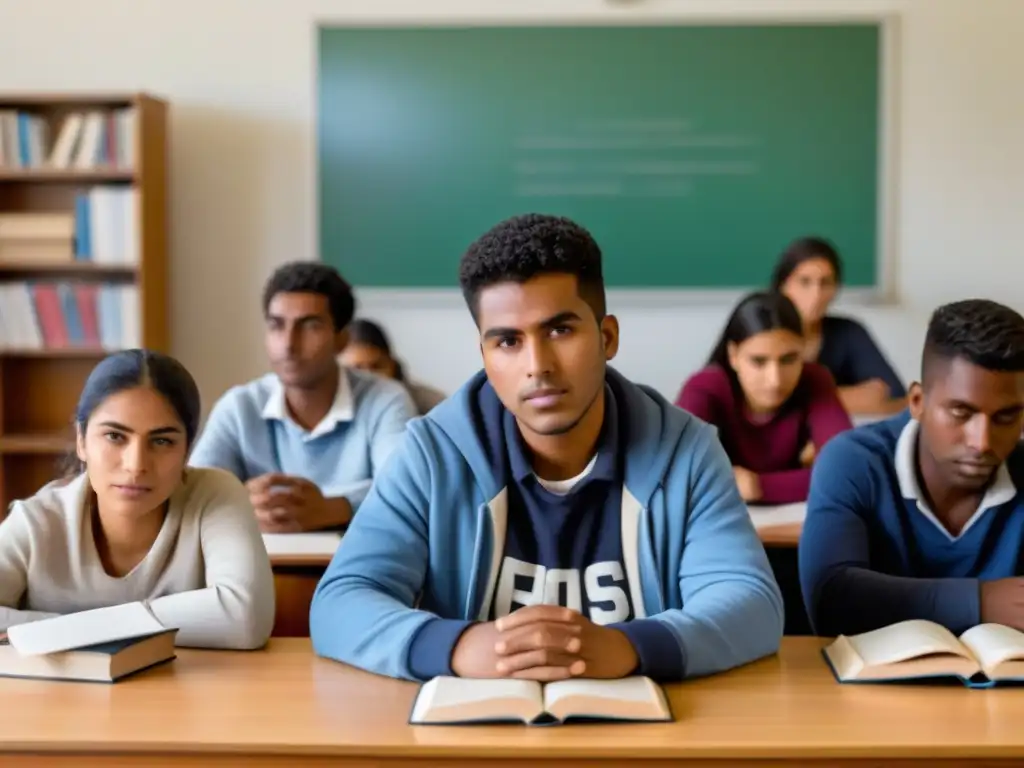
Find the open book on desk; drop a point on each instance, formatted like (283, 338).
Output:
(101, 645)
(463, 701)
(981, 657)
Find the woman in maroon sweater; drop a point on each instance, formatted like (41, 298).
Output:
(773, 411)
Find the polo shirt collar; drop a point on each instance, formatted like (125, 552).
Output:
(342, 409)
(606, 465)
(1001, 490)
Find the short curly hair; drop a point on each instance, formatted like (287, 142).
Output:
(982, 332)
(522, 247)
(313, 277)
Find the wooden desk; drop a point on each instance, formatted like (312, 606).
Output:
(285, 707)
(787, 535)
(779, 526)
(299, 561)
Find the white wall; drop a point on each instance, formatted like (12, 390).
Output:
(240, 76)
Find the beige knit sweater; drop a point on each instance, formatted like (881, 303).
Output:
(207, 573)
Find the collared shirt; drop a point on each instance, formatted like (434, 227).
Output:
(249, 433)
(872, 553)
(1000, 491)
(564, 546)
(341, 409)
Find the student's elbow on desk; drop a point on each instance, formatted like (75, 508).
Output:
(736, 622)
(352, 622)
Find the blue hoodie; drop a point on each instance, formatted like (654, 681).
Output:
(422, 556)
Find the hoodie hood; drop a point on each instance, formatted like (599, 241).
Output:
(650, 428)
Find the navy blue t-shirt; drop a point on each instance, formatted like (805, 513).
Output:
(852, 357)
(562, 549)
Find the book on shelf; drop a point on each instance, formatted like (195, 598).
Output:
(100, 645)
(84, 140)
(465, 701)
(917, 649)
(41, 314)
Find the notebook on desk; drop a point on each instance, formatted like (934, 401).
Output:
(783, 514)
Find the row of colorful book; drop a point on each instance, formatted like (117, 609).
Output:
(68, 314)
(84, 140)
(103, 228)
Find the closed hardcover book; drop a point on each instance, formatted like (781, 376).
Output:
(101, 645)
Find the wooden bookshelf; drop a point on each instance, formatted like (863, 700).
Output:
(39, 386)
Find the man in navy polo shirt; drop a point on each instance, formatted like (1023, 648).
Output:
(921, 516)
(552, 519)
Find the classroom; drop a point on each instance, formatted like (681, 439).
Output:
(246, 165)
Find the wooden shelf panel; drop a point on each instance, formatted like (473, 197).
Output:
(45, 444)
(62, 100)
(63, 352)
(70, 268)
(66, 176)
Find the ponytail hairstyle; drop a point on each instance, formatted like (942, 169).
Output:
(132, 368)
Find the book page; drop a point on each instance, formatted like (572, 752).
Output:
(633, 698)
(906, 640)
(77, 630)
(301, 543)
(456, 699)
(993, 645)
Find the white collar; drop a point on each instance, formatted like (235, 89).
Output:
(342, 409)
(999, 492)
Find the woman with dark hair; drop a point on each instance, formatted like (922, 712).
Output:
(136, 524)
(773, 411)
(369, 349)
(809, 272)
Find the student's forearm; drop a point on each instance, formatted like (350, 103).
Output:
(217, 617)
(865, 400)
(853, 600)
(784, 487)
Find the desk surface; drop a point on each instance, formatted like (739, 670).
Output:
(286, 704)
(776, 526)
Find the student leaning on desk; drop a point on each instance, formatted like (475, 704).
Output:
(773, 411)
(308, 438)
(809, 273)
(551, 519)
(921, 516)
(135, 524)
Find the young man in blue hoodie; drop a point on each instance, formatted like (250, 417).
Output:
(551, 519)
(920, 516)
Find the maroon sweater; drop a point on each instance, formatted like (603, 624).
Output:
(771, 448)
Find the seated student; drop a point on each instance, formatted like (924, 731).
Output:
(809, 273)
(921, 516)
(551, 519)
(308, 438)
(135, 525)
(773, 411)
(368, 349)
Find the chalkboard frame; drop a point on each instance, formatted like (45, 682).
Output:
(885, 291)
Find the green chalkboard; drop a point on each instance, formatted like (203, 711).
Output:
(693, 153)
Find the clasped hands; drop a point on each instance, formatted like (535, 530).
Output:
(544, 643)
(287, 504)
